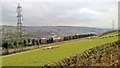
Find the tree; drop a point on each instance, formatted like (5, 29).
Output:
(39, 41)
(64, 38)
(20, 43)
(28, 41)
(15, 44)
(52, 40)
(24, 43)
(33, 41)
(5, 45)
(11, 45)
(69, 37)
(48, 40)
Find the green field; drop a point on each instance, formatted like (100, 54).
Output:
(111, 34)
(40, 57)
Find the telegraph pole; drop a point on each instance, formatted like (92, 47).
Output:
(19, 24)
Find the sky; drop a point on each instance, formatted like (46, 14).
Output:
(90, 13)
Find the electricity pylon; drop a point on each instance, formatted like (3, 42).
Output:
(19, 24)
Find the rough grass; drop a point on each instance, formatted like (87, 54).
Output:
(40, 57)
(104, 55)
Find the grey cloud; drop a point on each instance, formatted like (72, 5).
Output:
(43, 13)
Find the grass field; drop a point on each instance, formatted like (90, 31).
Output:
(40, 57)
(110, 34)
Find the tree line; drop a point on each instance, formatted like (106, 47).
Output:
(36, 42)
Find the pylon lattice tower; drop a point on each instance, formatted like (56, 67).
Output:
(113, 25)
(19, 23)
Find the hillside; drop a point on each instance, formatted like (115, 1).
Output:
(43, 31)
(42, 56)
(104, 55)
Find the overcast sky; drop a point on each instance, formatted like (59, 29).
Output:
(90, 13)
